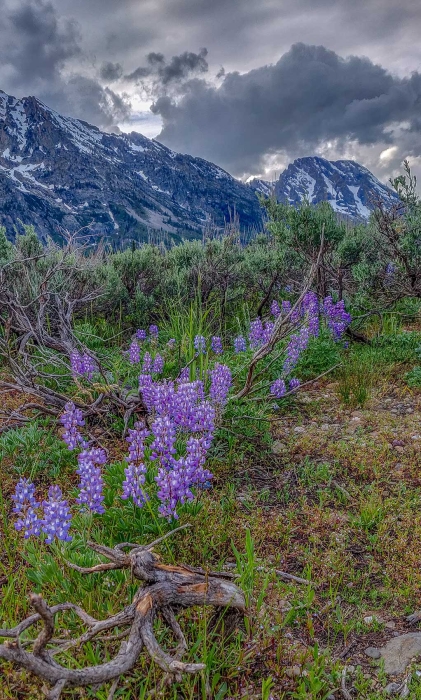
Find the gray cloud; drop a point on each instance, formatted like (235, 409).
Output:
(69, 53)
(41, 54)
(111, 71)
(309, 96)
(35, 43)
(177, 70)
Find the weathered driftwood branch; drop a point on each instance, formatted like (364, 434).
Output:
(165, 589)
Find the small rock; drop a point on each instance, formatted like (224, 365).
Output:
(325, 426)
(369, 619)
(399, 651)
(293, 671)
(415, 437)
(399, 449)
(398, 443)
(390, 625)
(373, 652)
(393, 688)
(356, 418)
(278, 447)
(299, 429)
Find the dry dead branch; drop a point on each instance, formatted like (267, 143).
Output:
(164, 590)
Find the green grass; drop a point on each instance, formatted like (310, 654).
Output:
(330, 508)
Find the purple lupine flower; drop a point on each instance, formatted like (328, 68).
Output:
(256, 332)
(310, 306)
(82, 364)
(158, 364)
(163, 445)
(297, 344)
(278, 388)
(296, 314)
(146, 389)
(288, 288)
(147, 363)
(57, 519)
(174, 485)
(178, 408)
(184, 375)
(216, 345)
(200, 344)
(72, 419)
(267, 331)
(336, 316)
(76, 362)
(134, 353)
(294, 384)
(171, 343)
(221, 380)
(25, 507)
(275, 309)
(91, 483)
(286, 307)
(136, 469)
(153, 332)
(141, 334)
(240, 344)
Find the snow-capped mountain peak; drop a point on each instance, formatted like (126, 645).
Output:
(351, 189)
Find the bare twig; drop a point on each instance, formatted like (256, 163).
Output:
(290, 577)
(345, 693)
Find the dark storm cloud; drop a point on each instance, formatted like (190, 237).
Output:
(310, 95)
(35, 43)
(97, 104)
(111, 71)
(178, 69)
(39, 52)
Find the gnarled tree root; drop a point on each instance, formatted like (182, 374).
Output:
(165, 589)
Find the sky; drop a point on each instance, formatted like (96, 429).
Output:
(248, 85)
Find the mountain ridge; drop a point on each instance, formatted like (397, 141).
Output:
(59, 173)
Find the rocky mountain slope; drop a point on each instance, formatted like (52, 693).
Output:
(59, 173)
(350, 189)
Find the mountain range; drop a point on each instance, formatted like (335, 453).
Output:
(59, 173)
